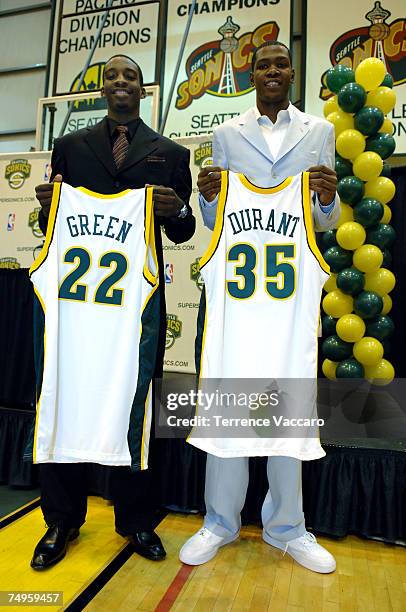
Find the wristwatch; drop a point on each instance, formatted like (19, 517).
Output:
(183, 212)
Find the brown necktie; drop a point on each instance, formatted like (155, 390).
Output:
(121, 145)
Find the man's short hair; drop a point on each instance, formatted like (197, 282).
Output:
(269, 43)
(141, 76)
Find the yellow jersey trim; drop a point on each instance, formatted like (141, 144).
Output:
(103, 196)
(264, 190)
(38, 403)
(56, 194)
(149, 235)
(308, 221)
(219, 223)
(201, 364)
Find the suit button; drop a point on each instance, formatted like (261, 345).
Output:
(117, 184)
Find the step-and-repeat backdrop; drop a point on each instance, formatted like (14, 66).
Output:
(354, 31)
(21, 240)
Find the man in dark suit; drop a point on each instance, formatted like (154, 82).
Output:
(120, 152)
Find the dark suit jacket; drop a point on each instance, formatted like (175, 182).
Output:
(84, 158)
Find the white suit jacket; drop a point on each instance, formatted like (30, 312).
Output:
(239, 145)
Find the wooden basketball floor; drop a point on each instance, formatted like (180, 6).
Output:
(101, 573)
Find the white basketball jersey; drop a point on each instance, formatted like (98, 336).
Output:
(263, 276)
(96, 281)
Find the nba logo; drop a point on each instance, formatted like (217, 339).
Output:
(10, 222)
(47, 172)
(168, 273)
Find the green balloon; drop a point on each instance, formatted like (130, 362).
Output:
(350, 189)
(381, 327)
(386, 170)
(387, 258)
(387, 81)
(387, 347)
(338, 258)
(368, 304)
(368, 120)
(383, 144)
(350, 368)
(343, 167)
(351, 97)
(368, 212)
(328, 324)
(351, 281)
(336, 349)
(381, 235)
(328, 238)
(338, 76)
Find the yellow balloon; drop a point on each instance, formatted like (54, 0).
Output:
(387, 214)
(387, 304)
(368, 165)
(351, 235)
(350, 327)
(387, 126)
(347, 214)
(368, 258)
(336, 303)
(350, 144)
(381, 188)
(370, 73)
(382, 97)
(329, 369)
(368, 351)
(381, 281)
(382, 373)
(331, 284)
(341, 121)
(330, 106)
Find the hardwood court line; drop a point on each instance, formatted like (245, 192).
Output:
(174, 588)
(22, 511)
(96, 548)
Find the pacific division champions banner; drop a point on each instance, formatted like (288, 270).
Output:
(213, 83)
(348, 33)
(131, 28)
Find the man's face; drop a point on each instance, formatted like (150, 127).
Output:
(272, 74)
(122, 87)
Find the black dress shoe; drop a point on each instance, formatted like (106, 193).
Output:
(147, 544)
(52, 547)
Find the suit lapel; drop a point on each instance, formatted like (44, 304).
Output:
(98, 140)
(250, 130)
(143, 144)
(296, 131)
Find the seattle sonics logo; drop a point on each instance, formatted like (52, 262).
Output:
(33, 223)
(9, 263)
(222, 67)
(16, 172)
(93, 80)
(195, 274)
(203, 155)
(173, 330)
(380, 39)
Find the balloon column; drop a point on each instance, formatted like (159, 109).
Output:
(357, 301)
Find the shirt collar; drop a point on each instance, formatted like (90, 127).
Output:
(132, 127)
(283, 115)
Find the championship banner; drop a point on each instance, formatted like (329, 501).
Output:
(131, 28)
(359, 30)
(182, 277)
(20, 236)
(213, 82)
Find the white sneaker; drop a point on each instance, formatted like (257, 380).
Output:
(202, 547)
(307, 552)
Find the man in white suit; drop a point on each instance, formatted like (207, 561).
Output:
(268, 143)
